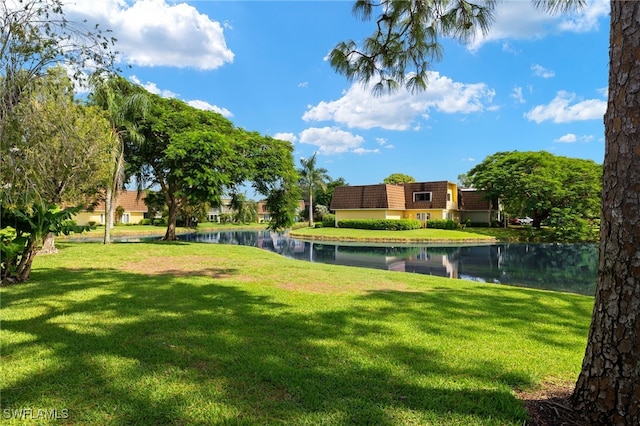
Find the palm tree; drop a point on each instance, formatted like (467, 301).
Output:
(311, 178)
(124, 108)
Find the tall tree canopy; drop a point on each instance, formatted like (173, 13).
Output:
(400, 51)
(539, 184)
(196, 156)
(394, 178)
(35, 35)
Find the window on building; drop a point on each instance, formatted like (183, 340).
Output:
(423, 216)
(421, 196)
(125, 218)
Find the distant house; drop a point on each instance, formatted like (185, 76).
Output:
(264, 215)
(476, 207)
(131, 205)
(214, 213)
(419, 200)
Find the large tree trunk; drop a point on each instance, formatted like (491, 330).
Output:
(173, 207)
(23, 269)
(48, 244)
(608, 388)
(108, 214)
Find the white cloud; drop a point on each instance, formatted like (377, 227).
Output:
(517, 95)
(540, 71)
(304, 84)
(521, 20)
(332, 140)
(359, 108)
(568, 138)
(153, 88)
(559, 110)
(156, 33)
(587, 18)
(571, 138)
(361, 151)
(208, 107)
(383, 143)
(286, 137)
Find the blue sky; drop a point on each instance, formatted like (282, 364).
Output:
(535, 82)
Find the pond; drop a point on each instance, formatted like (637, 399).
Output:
(559, 267)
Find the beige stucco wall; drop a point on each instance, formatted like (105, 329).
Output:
(368, 214)
(83, 218)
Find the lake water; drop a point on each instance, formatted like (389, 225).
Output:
(560, 267)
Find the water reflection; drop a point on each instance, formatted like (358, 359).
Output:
(560, 267)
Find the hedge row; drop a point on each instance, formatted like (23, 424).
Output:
(442, 224)
(380, 224)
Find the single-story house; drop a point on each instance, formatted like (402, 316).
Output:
(418, 200)
(132, 206)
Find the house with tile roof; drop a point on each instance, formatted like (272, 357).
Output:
(132, 206)
(418, 200)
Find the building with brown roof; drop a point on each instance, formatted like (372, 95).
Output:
(132, 209)
(418, 200)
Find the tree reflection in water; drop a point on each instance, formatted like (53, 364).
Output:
(561, 267)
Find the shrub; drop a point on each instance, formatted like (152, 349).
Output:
(381, 224)
(442, 224)
(145, 222)
(318, 225)
(92, 223)
(329, 220)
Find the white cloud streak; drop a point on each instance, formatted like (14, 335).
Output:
(358, 108)
(560, 109)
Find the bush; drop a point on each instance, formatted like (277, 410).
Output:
(92, 223)
(442, 224)
(145, 222)
(381, 224)
(318, 225)
(329, 220)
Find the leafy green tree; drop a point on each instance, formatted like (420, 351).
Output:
(34, 36)
(400, 51)
(196, 156)
(125, 107)
(59, 155)
(396, 178)
(245, 211)
(312, 177)
(538, 184)
(323, 195)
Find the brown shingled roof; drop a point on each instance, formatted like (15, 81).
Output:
(131, 201)
(470, 200)
(368, 197)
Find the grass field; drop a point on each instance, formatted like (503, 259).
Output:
(178, 333)
(414, 235)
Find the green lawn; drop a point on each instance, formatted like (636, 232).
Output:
(181, 333)
(415, 235)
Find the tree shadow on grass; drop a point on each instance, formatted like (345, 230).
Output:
(125, 348)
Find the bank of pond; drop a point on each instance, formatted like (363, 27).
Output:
(558, 267)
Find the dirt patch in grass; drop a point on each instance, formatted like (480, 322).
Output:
(182, 266)
(550, 406)
(329, 288)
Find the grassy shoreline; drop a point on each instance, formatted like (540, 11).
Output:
(187, 333)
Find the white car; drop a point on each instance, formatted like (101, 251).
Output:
(524, 220)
